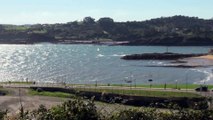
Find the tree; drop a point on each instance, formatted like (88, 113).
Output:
(88, 20)
(106, 23)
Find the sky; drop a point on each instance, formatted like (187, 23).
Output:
(62, 11)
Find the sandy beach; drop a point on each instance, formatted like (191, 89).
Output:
(209, 57)
(202, 61)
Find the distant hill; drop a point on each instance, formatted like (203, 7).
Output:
(169, 31)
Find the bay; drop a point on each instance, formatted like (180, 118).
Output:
(82, 64)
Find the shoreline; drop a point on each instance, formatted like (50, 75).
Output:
(90, 42)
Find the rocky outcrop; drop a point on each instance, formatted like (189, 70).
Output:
(159, 56)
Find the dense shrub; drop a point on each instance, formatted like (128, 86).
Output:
(79, 109)
(2, 114)
(154, 114)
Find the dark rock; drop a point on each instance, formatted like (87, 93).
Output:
(39, 90)
(2, 93)
(159, 56)
(179, 61)
(176, 66)
(202, 89)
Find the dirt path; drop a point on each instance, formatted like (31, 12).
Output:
(13, 100)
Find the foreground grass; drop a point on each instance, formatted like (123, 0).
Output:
(50, 94)
(146, 93)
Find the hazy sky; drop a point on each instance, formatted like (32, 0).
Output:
(61, 11)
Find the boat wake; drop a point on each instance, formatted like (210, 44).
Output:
(117, 55)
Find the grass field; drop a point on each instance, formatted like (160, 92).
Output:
(148, 93)
(17, 82)
(126, 90)
(16, 28)
(51, 94)
(172, 86)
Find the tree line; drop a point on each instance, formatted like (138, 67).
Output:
(175, 30)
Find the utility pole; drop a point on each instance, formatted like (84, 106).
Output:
(150, 81)
(186, 81)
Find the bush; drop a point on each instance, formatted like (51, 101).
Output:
(134, 114)
(70, 110)
(39, 90)
(2, 114)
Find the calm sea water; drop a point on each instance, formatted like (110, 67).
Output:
(91, 63)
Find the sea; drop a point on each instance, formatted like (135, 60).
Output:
(90, 64)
